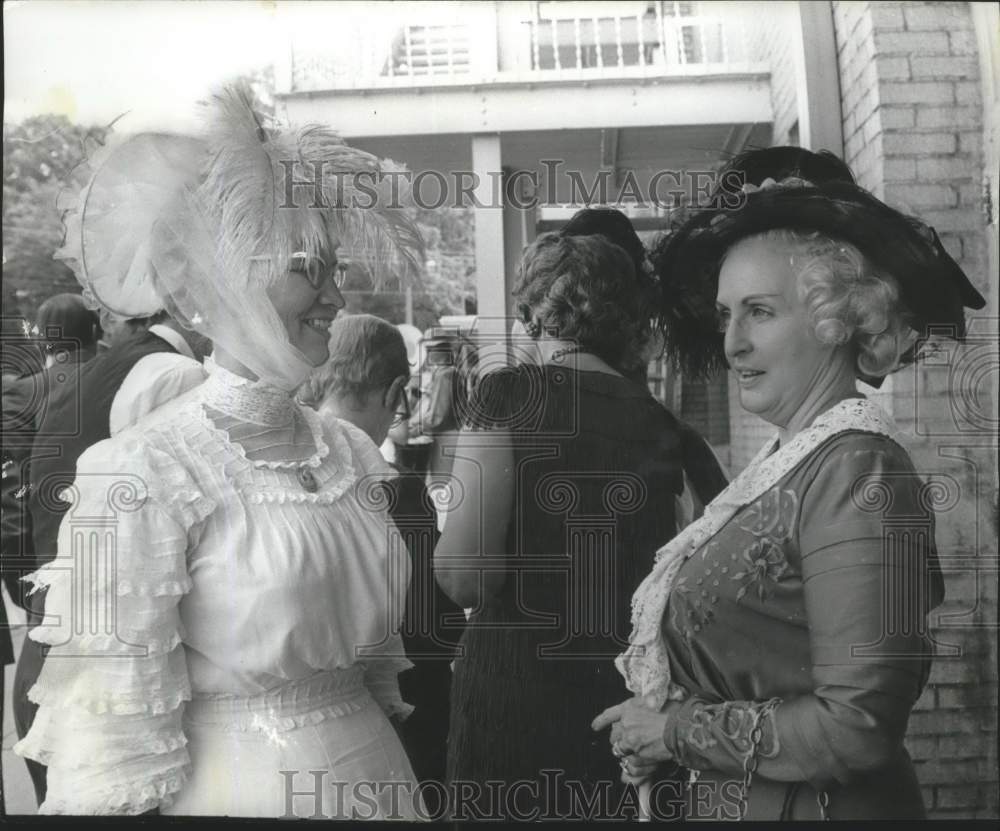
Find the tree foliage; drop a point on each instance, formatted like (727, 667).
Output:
(447, 282)
(41, 160)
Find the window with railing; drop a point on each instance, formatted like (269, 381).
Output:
(658, 34)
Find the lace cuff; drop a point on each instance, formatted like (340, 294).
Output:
(382, 677)
(129, 797)
(704, 736)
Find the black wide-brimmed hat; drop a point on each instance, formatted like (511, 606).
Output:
(813, 192)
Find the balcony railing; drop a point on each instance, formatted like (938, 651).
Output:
(653, 40)
(650, 39)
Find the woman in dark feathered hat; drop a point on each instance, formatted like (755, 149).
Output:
(780, 642)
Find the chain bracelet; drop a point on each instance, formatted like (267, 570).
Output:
(823, 800)
(750, 760)
(693, 776)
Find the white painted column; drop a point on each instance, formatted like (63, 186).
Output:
(489, 239)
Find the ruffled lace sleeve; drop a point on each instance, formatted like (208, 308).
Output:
(112, 689)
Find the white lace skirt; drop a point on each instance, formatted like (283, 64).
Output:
(319, 749)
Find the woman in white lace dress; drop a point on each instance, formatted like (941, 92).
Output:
(224, 608)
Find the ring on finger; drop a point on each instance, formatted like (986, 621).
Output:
(616, 748)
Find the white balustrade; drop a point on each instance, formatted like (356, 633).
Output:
(666, 38)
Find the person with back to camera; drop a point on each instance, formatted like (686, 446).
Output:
(364, 382)
(256, 606)
(780, 642)
(560, 471)
(704, 475)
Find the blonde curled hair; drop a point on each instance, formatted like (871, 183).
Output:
(848, 299)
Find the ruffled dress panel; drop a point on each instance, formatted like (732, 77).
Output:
(187, 571)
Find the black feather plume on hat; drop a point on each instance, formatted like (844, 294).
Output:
(933, 288)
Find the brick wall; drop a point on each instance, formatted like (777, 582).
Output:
(913, 134)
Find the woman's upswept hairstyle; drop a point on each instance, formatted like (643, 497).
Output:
(848, 299)
(584, 289)
(367, 354)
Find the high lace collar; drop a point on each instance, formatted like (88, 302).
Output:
(254, 402)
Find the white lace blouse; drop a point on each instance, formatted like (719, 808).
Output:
(185, 568)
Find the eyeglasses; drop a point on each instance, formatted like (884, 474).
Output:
(316, 271)
(313, 268)
(402, 414)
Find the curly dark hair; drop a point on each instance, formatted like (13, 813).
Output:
(584, 288)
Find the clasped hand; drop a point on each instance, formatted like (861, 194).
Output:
(636, 738)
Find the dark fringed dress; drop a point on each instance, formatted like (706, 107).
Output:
(598, 465)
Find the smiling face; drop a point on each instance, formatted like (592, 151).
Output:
(307, 312)
(785, 374)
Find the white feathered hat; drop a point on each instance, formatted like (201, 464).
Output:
(196, 224)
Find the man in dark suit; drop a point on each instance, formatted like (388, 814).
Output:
(64, 338)
(76, 416)
(22, 359)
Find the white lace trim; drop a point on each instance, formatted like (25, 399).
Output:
(350, 458)
(153, 641)
(261, 404)
(144, 698)
(252, 401)
(125, 799)
(311, 420)
(56, 572)
(272, 722)
(82, 755)
(644, 664)
(398, 708)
